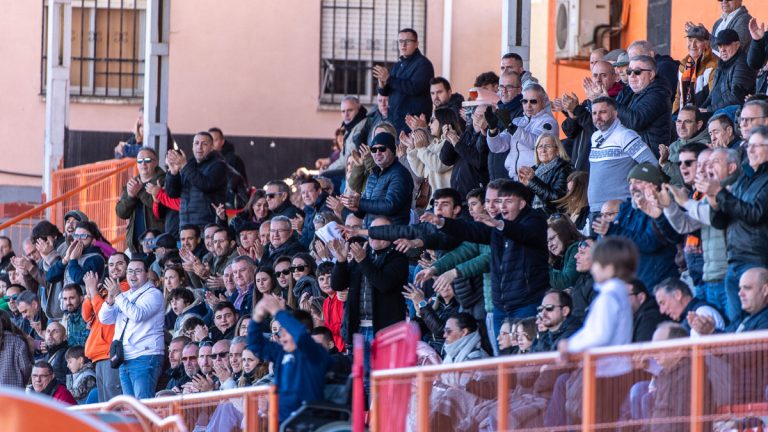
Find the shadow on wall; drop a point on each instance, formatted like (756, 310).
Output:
(265, 158)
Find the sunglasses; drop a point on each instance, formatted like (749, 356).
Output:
(273, 195)
(285, 272)
(637, 72)
(530, 101)
(205, 344)
(144, 160)
(11, 297)
(299, 268)
(378, 149)
(547, 308)
(80, 236)
(221, 355)
(687, 163)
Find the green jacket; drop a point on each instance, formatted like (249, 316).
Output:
(672, 167)
(469, 259)
(565, 278)
(126, 207)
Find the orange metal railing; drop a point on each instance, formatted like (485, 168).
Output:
(716, 382)
(93, 189)
(248, 409)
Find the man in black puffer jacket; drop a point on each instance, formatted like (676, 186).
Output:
(200, 182)
(734, 80)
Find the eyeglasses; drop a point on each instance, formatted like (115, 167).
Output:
(275, 231)
(144, 160)
(508, 87)
(12, 297)
(80, 236)
(190, 358)
(547, 308)
(687, 163)
(378, 149)
(299, 268)
(637, 72)
(448, 330)
(405, 41)
(530, 101)
(221, 355)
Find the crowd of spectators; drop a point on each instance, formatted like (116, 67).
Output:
(477, 220)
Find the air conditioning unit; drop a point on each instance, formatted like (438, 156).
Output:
(576, 22)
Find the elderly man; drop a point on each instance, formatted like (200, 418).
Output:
(389, 189)
(735, 17)
(753, 115)
(666, 66)
(697, 70)
(201, 182)
(136, 203)
(175, 371)
(407, 84)
(43, 382)
(578, 124)
(55, 347)
(243, 269)
(356, 127)
(722, 132)
(615, 150)
(138, 317)
(520, 136)
(28, 305)
(734, 79)
(676, 301)
(646, 109)
(282, 241)
(690, 129)
(740, 210)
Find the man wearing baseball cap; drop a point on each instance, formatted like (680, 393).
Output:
(734, 80)
(697, 70)
(642, 221)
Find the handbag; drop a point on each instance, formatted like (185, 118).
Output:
(424, 194)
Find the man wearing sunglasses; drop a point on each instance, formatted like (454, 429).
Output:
(520, 136)
(81, 257)
(557, 317)
(136, 203)
(279, 200)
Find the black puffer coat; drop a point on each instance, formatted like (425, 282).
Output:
(734, 80)
(199, 185)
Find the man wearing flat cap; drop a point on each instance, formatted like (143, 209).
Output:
(389, 189)
(734, 80)
(641, 220)
(697, 70)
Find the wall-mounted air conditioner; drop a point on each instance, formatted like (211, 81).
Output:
(576, 22)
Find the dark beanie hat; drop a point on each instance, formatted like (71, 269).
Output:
(386, 139)
(648, 172)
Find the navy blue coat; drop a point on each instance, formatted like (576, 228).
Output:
(408, 89)
(308, 229)
(519, 257)
(647, 113)
(388, 192)
(299, 375)
(199, 185)
(655, 240)
(469, 162)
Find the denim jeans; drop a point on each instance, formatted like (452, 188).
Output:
(713, 293)
(139, 376)
(733, 304)
(500, 315)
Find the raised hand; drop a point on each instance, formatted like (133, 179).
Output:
(153, 189)
(663, 154)
(445, 280)
(432, 218)
(44, 246)
(451, 135)
(414, 294)
(404, 245)
(358, 251)
(680, 195)
(221, 212)
(424, 275)
(757, 31)
(339, 249)
(133, 187)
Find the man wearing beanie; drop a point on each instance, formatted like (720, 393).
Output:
(389, 189)
(640, 219)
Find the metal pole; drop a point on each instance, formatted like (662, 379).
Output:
(588, 393)
(156, 66)
(697, 389)
(56, 88)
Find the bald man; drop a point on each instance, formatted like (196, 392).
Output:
(753, 294)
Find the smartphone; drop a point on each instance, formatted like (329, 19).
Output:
(175, 146)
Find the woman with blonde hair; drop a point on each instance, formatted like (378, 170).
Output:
(548, 179)
(574, 204)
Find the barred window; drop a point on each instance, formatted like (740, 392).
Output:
(359, 34)
(107, 48)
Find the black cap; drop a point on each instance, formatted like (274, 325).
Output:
(165, 240)
(247, 226)
(726, 37)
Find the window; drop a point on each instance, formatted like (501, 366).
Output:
(107, 48)
(358, 34)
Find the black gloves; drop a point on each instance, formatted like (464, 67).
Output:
(491, 119)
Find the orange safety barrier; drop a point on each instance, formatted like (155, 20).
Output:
(93, 189)
(248, 409)
(711, 383)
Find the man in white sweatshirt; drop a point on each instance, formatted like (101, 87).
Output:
(138, 315)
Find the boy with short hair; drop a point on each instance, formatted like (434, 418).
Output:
(83, 377)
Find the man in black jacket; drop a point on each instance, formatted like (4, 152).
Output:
(279, 200)
(227, 150)
(645, 312)
(556, 317)
(282, 241)
(375, 277)
(407, 84)
(201, 182)
(734, 80)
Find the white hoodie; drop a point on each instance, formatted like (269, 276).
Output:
(521, 144)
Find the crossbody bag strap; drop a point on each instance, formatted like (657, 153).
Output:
(122, 335)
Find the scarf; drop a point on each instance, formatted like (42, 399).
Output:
(456, 352)
(539, 172)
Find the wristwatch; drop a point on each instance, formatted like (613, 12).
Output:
(422, 304)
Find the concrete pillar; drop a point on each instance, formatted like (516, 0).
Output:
(516, 29)
(56, 88)
(156, 66)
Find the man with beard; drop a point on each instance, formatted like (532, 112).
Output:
(189, 366)
(690, 130)
(77, 328)
(55, 347)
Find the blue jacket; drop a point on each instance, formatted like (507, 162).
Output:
(299, 375)
(519, 257)
(655, 240)
(647, 113)
(388, 192)
(199, 185)
(90, 260)
(308, 230)
(408, 89)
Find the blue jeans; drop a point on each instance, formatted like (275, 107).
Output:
(139, 376)
(713, 293)
(500, 315)
(733, 304)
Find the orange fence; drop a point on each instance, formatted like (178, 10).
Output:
(248, 409)
(712, 383)
(93, 189)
